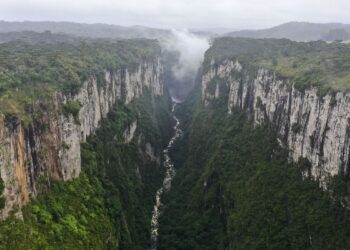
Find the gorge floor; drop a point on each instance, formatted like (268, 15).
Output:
(169, 175)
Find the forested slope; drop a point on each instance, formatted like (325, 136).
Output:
(236, 186)
(109, 205)
(82, 128)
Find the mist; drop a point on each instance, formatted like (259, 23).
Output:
(185, 53)
(191, 50)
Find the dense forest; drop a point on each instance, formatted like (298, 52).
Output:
(110, 205)
(174, 125)
(235, 189)
(33, 71)
(235, 186)
(306, 64)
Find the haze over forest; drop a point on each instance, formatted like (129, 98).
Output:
(175, 124)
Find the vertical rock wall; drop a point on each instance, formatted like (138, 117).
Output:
(49, 148)
(310, 126)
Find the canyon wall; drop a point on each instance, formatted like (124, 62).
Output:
(309, 125)
(48, 149)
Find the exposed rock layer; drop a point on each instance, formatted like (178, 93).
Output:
(310, 126)
(49, 148)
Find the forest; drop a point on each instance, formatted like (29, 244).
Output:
(306, 64)
(235, 189)
(110, 205)
(235, 185)
(34, 71)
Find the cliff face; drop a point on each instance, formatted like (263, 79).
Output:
(309, 125)
(48, 149)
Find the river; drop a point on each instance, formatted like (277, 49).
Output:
(169, 175)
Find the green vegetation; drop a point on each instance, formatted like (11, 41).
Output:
(72, 107)
(110, 205)
(235, 189)
(296, 128)
(259, 103)
(72, 216)
(33, 72)
(307, 64)
(2, 199)
(129, 177)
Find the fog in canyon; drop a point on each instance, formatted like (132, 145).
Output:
(183, 54)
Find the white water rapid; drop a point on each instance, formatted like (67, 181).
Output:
(169, 175)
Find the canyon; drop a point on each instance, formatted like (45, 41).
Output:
(246, 139)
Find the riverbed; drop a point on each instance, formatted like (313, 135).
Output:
(169, 175)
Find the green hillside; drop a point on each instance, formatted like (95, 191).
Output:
(318, 64)
(32, 71)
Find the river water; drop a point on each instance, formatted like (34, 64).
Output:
(169, 175)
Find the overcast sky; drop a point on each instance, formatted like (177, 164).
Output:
(233, 14)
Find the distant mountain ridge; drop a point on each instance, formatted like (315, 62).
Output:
(33, 37)
(299, 31)
(97, 30)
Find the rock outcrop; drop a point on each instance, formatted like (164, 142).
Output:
(309, 125)
(48, 149)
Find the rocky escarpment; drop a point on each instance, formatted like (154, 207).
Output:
(309, 125)
(48, 149)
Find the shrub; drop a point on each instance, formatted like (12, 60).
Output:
(71, 107)
(296, 128)
(259, 103)
(2, 199)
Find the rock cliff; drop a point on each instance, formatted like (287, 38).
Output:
(48, 149)
(310, 125)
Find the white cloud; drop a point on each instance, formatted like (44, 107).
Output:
(191, 50)
(179, 13)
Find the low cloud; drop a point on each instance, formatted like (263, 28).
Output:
(183, 54)
(190, 49)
